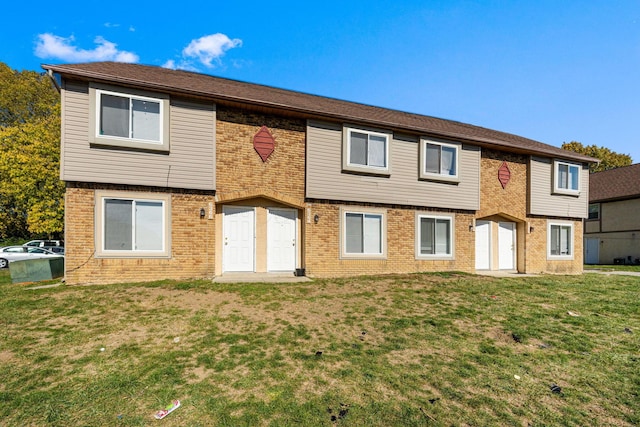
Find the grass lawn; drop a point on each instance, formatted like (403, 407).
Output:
(406, 350)
(613, 267)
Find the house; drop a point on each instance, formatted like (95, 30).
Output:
(173, 174)
(612, 229)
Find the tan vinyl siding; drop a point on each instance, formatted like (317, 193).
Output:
(326, 180)
(190, 163)
(542, 199)
(592, 226)
(621, 215)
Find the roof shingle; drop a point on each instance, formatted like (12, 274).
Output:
(615, 184)
(216, 88)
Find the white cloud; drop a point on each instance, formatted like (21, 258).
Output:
(52, 46)
(207, 50)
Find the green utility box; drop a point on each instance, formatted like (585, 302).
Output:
(36, 270)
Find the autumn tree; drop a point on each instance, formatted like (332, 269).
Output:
(31, 193)
(608, 159)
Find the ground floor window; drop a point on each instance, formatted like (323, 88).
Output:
(363, 233)
(560, 240)
(434, 236)
(132, 224)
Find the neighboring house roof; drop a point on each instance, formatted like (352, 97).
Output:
(236, 92)
(615, 184)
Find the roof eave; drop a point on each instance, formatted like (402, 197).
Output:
(487, 142)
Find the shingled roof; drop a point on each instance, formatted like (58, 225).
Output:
(615, 184)
(233, 91)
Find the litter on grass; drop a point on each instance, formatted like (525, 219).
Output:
(167, 410)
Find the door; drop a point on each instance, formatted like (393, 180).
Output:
(483, 245)
(506, 245)
(239, 239)
(281, 239)
(592, 251)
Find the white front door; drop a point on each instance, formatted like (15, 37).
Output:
(281, 239)
(483, 245)
(506, 245)
(239, 238)
(592, 251)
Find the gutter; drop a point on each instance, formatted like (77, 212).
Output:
(476, 140)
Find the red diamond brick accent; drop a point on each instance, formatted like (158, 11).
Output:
(264, 143)
(504, 174)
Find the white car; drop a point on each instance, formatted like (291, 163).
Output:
(17, 253)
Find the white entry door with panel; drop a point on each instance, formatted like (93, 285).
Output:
(483, 245)
(239, 238)
(506, 245)
(281, 239)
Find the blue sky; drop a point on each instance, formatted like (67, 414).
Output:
(554, 71)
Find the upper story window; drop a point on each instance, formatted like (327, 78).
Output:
(566, 178)
(594, 211)
(129, 118)
(366, 151)
(439, 160)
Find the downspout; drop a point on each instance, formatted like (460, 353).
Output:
(53, 80)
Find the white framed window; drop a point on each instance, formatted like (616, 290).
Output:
(132, 224)
(566, 177)
(560, 240)
(439, 160)
(128, 118)
(366, 151)
(363, 233)
(434, 236)
(594, 210)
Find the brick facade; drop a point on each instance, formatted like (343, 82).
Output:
(323, 245)
(510, 204)
(243, 178)
(239, 168)
(192, 240)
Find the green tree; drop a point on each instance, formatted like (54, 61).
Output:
(608, 159)
(31, 193)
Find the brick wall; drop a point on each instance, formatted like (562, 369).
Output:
(511, 200)
(510, 204)
(323, 245)
(239, 167)
(191, 241)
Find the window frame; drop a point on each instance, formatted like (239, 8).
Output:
(96, 139)
(597, 212)
(556, 177)
(418, 235)
(571, 240)
(382, 213)
(349, 166)
(101, 196)
(431, 176)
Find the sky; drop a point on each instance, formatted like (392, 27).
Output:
(553, 71)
